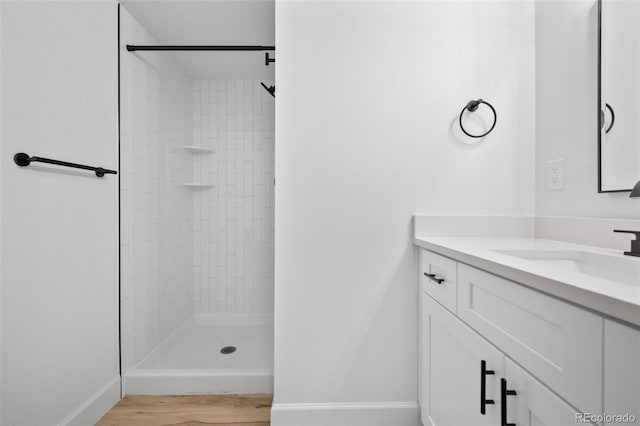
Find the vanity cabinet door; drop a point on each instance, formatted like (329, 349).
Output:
(621, 370)
(533, 404)
(451, 361)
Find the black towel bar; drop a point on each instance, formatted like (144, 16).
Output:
(23, 160)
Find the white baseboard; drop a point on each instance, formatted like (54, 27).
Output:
(234, 319)
(346, 414)
(95, 406)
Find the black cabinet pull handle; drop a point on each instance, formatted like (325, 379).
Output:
(483, 387)
(504, 392)
(434, 277)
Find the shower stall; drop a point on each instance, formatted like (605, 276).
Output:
(196, 199)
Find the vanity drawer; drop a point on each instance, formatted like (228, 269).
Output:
(439, 278)
(558, 343)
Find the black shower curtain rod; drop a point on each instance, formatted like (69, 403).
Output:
(132, 48)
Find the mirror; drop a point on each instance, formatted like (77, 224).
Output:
(618, 94)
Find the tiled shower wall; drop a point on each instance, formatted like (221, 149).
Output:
(233, 221)
(156, 208)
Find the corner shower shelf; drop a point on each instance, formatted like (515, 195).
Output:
(198, 185)
(198, 149)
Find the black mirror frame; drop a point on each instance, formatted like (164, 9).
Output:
(599, 107)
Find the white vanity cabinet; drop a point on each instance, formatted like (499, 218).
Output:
(554, 359)
(453, 360)
(559, 343)
(461, 370)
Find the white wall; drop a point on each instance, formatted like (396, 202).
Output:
(233, 221)
(0, 215)
(59, 325)
(566, 108)
(368, 95)
(157, 209)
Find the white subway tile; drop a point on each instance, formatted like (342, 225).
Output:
(234, 221)
(157, 231)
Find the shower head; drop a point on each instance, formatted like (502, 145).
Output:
(270, 89)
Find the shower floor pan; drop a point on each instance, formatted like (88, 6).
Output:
(191, 362)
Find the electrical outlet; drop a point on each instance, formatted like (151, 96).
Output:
(555, 174)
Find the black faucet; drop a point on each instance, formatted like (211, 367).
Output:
(635, 192)
(635, 244)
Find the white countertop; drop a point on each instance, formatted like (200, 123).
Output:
(611, 298)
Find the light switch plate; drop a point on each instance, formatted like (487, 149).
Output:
(555, 174)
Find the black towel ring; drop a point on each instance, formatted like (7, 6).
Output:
(472, 106)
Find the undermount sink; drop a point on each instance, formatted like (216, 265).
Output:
(620, 269)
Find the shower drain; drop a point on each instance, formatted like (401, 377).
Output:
(228, 350)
